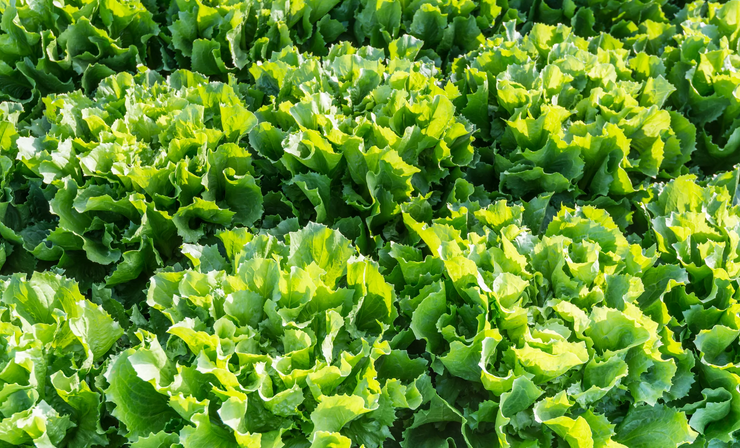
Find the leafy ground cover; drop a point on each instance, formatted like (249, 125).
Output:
(351, 223)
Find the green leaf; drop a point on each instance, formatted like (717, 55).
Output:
(657, 426)
(334, 412)
(138, 405)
